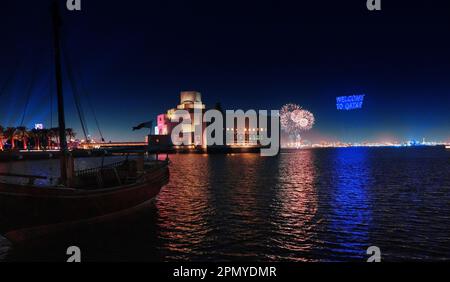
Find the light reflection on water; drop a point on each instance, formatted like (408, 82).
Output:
(350, 215)
(307, 205)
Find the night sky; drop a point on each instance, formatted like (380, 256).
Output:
(134, 57)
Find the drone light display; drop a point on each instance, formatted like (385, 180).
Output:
(295, 120)
(348, 103)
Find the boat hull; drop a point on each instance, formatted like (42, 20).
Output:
(23, 207)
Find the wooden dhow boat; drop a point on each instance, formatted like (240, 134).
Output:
(28, 211)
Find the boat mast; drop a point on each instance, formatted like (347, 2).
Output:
(59, 91)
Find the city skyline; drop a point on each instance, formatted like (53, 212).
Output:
(244, 56)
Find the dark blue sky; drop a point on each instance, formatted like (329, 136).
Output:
(135, 56)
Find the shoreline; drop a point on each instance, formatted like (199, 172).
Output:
(8, 156)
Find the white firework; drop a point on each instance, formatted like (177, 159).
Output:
(303, 118)
(294, 119)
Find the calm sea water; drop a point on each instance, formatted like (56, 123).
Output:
(304, 205)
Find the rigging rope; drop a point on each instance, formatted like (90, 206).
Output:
(88, 98)
(30, 89)
(89, 101)
(76, 96)
(75, 92)
(51, 101)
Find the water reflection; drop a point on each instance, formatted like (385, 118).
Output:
(5, 247)
(351, 212)
(230, 207)
(307, 205)
(214, 209)
(183, 209)
(295, 207)
(239, 206)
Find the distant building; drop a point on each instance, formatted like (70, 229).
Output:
(191, 100)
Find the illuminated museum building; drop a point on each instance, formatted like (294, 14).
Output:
(190, 100)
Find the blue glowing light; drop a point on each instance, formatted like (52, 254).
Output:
(347, 103)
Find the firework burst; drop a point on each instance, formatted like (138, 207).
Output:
(295, 120)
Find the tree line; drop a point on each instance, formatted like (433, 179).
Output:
(20, 138)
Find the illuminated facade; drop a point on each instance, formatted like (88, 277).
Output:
(247, 135)
(189, 101)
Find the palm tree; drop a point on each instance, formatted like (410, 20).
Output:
(2, 136)
(10, 134)
(45, 135)
(37, 135)
(70, 134)
(53, 134)
(22, 135)
(34, 136)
